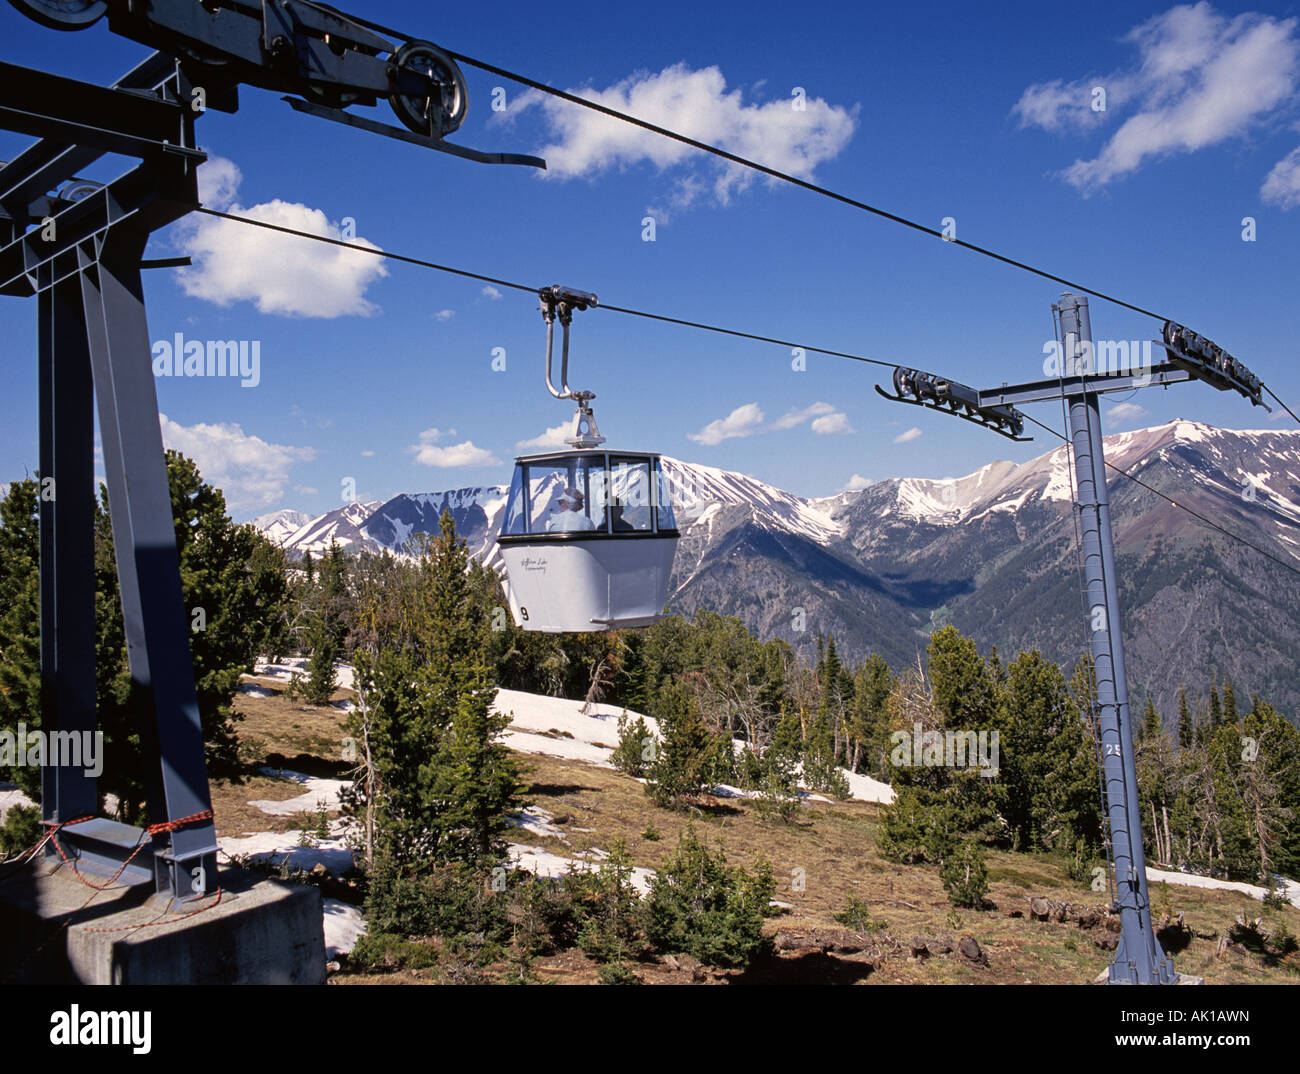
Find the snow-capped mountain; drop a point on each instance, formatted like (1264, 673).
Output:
(476, 511)
(992, 551)
(279, 526)
(700, 492)
(996, 553)
(342, 525)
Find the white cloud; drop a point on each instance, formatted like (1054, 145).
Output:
(219, 181)
(281, 274)
(906, 438)
(831, 425)
(857, 483)
(743, 421)
(428, 452)
(797, 417)
(444, 315)
(367, 454)
(252, 473)
(491, 292)
(1121, 412)
(1282, 185)
(749, 420)
(1057, 106)
(554, 437)
(698, 104)
(1199, 79)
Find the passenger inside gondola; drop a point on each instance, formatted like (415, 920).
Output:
(569, 516)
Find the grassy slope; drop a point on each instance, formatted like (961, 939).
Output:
(833, 845)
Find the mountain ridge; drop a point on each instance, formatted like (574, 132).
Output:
(993, 551)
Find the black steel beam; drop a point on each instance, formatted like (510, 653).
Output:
(148, 566)
(154, 195)
(67, 565)
(47, 164)
(130, 122)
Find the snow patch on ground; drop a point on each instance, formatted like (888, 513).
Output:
(726, 790)
(861, 788)
(537, 821)
(865, 789)
(541, 862)
(566, 749)
(344, 926)
(276, 848)
(595, 735)
(537, 712)
(344, 674)
(315, 791)
(253, 690)
(540, 724)
(1192, 880)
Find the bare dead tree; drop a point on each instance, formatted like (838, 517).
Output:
(735, 703)
(602, 677)
(1259, 791)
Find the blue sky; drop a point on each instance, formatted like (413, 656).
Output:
(931, 111)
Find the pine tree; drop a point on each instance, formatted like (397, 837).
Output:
(1047, 784)
(444, 782)
(997, 674)
(1229, 702)
(20, 646)
(684, 762)
(326, 627)
(228, 598)
(959, 679)
(268, 571)
(1273, 796)
(711, 910)
(482, 780)
(635, 686)
(1186, 730)
(872, 686)
(1150, 720)
(1216, 710)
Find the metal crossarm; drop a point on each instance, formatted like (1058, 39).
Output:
(1042, 391)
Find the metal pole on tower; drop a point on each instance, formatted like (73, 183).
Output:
(1138, 958)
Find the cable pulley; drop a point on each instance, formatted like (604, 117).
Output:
(1206, 360)
(951, 397)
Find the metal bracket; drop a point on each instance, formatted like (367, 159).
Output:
(586, 433)
(337, 115)
(633, 623)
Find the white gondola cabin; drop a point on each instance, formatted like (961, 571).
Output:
(588, 540)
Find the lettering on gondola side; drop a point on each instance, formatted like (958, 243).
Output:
(534, 563)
